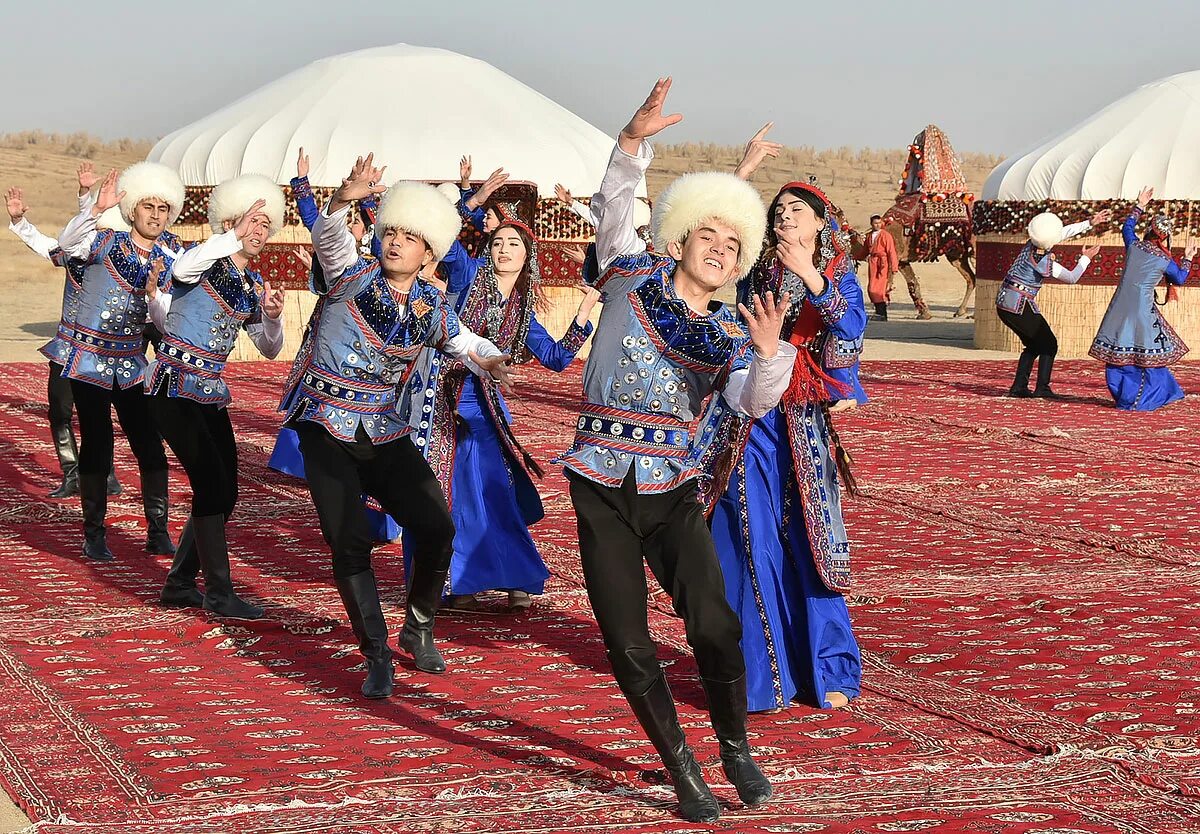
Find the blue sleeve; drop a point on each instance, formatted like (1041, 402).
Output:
(849, 378)
(460, 268)
(306, 204)
(552, 354)
(1176, 273)
(473, 216)
(1127, 228)
(841, 308)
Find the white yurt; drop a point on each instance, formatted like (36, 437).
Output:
(418, 109)
(1148, 138)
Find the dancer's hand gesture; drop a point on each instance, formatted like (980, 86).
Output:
(799, 261)
(757, 150)
(108, 196)
(498, 368)
(302, 165)
(14, 200)
(1145, 196)
(305, 258)
(1189, 251)
(87, 177)
(1091, 251)
(253, 215)
(365, 180)
(272, 301)
(496, 179)
(649, 118)
(575, 254)
(765, 322)
(563, 195)
(464, 172)
(1101, 217)
(591, 296)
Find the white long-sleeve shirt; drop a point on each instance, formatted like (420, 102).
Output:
(584, 211)
(1051, 268)
(190, 267)
(42, 244)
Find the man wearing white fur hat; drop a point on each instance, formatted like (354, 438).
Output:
(1016, 301)
(348, 398)
(106, 362)
(661, 348)
(58, 388)
(213, 296)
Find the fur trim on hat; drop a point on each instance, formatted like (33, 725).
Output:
(233, 198)
(450, 191)
(150, 179)
(694, 198)
(112, 219)
(1046, 230)
(423, 210)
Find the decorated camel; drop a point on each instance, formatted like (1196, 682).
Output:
(931, 217)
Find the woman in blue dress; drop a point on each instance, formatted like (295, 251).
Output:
(467, 437)
(772, 483)
(1135, 342)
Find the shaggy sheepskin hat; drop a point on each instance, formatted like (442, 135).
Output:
(450, 191)
(150, 179)
(112, 219)
(424, 211)
(1046, 230)
(233, 198)
(694, 198)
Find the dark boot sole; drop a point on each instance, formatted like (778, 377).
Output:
(432, 670)
(182, 602)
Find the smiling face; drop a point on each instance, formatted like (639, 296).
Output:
(404, 253)
(794, 220)
(254, 242)
(708, 256)
(509, 251)
(151, 217)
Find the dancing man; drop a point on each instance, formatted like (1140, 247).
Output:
(661, 347)
(348, 399)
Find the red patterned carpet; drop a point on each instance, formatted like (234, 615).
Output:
(1027, 598)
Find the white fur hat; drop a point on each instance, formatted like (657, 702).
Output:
(419, 208)
(450, 191)
(233, 198)
(150, 179)
(1046, 230)
(694, 198)
(112, 219)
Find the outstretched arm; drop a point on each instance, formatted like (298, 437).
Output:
(1058, 272)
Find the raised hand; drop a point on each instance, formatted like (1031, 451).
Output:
(365, 180)
(1145, 196)
(14, 200)
(1189, 251)
(800, 262)
(108, 196)
(498, 368)
(757, 149)
(1092, 251)
(87, 177)
(563, 195)
(272, 301)
(765, 322)
(247, 220)
(591, 296)
(305, 258)
(1101, 217)
(464, 172)
(576, 254)
(648, 119)
(496, 179)
(302, 164)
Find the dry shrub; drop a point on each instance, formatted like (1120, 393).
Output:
(78, 144)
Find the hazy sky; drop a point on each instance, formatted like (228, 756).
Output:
(995, 75)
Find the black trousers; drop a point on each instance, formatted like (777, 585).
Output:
(94, 406)
(1032, 329)
(58, 393)
(396, 475)
(618, 528)
(201, 437)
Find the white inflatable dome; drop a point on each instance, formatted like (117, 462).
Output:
(418, 109)
(1149, 137)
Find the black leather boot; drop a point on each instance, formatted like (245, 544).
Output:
(180, 590)
(219, 596)
(94, 499)
(360, 595)
(655, 711)
(114, 486)
(727, 706)
(425, 588)
(1020, 386)
(154, 502)
(1045, 370)
(881, 311)
(68, 460)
